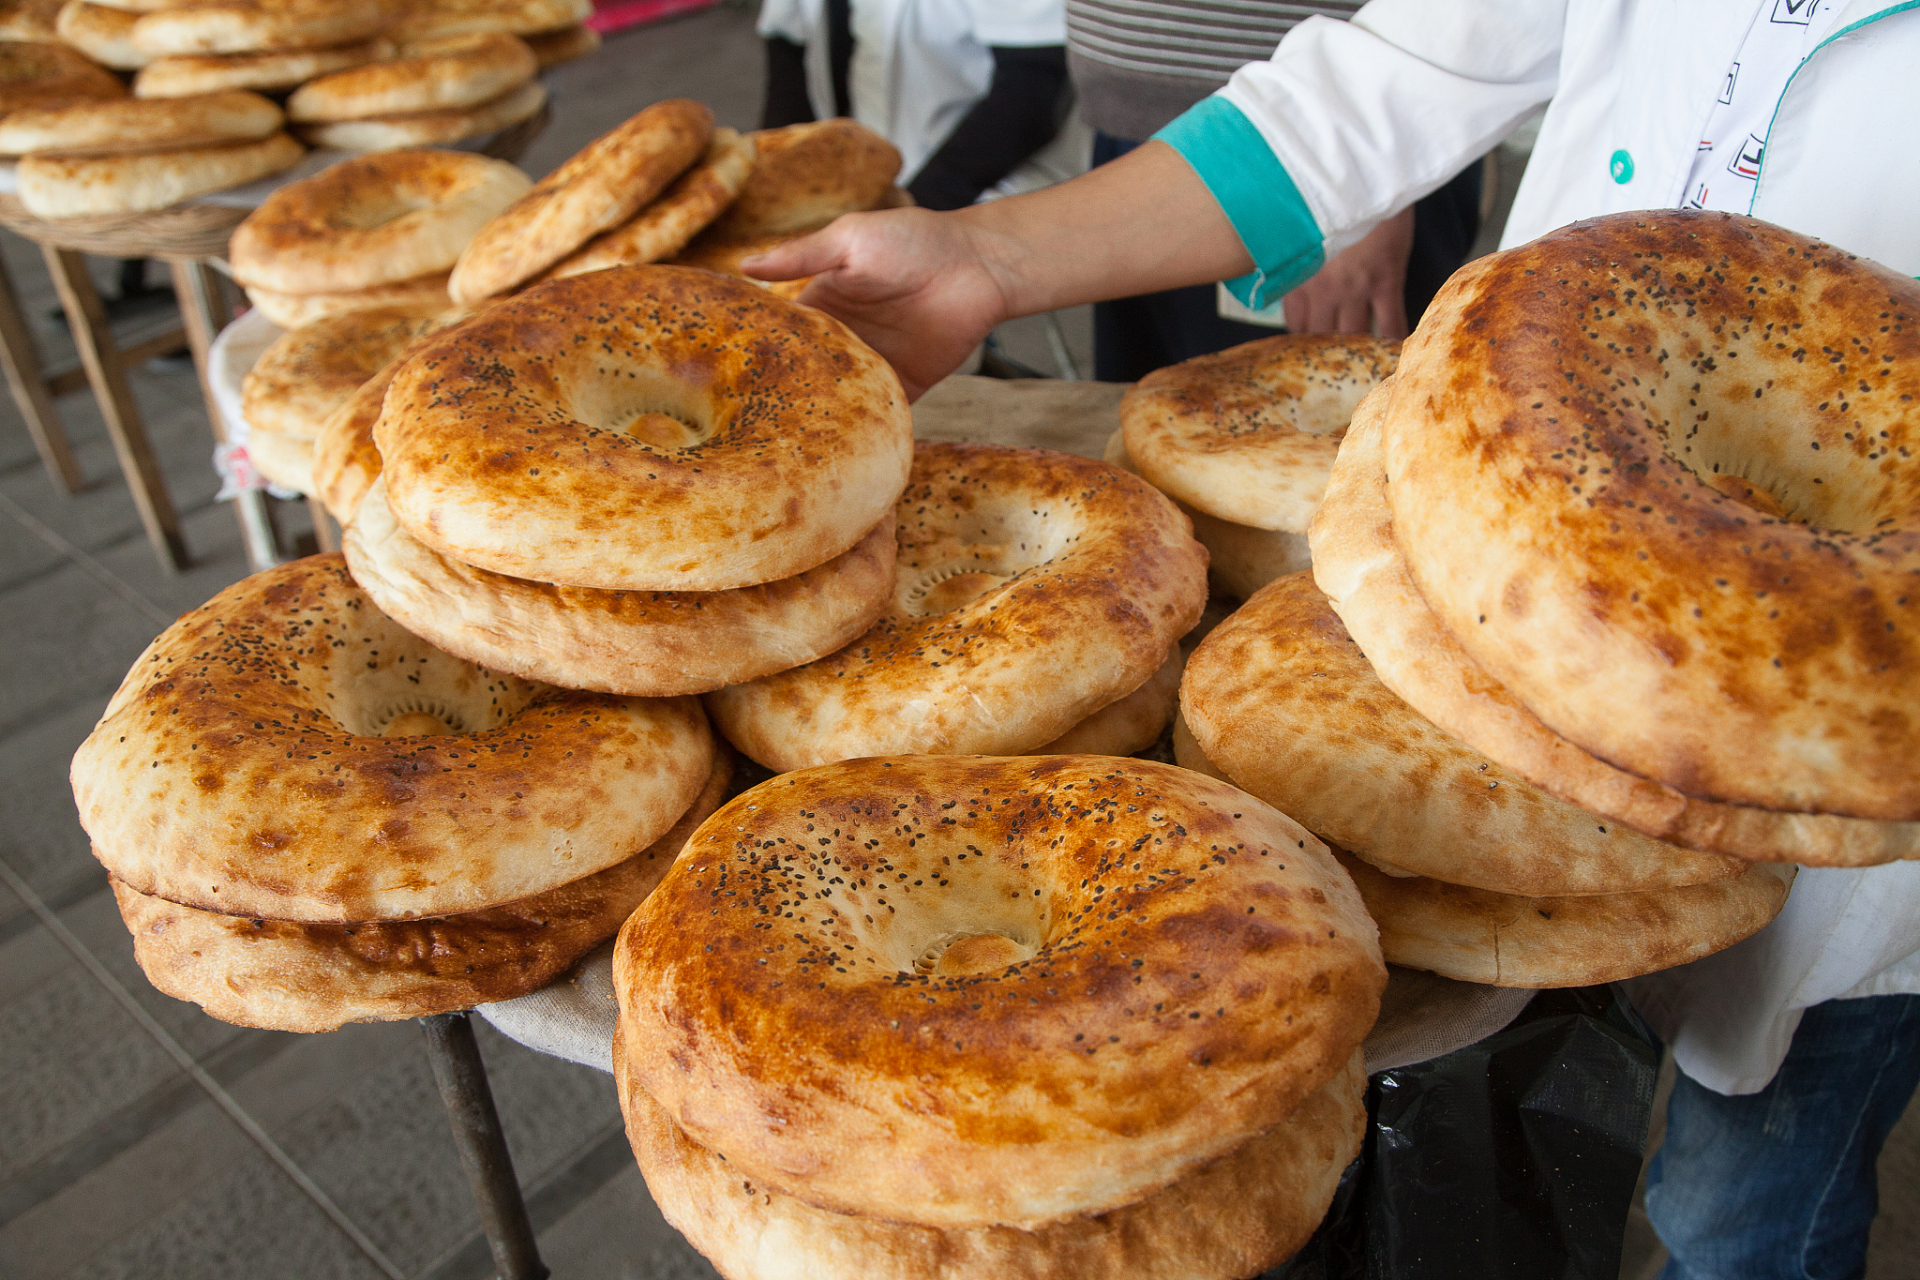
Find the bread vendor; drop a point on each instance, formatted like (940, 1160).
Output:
(1799, 1048)
(971, 91)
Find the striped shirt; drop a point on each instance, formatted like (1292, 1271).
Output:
(1139, 63)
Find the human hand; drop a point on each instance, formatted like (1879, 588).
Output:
(914, 285)
(1362, 289)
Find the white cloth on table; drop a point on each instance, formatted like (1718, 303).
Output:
(235, 350)
(1422, 1016)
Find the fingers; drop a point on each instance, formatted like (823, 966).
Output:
(1390, 315)
(796, 259)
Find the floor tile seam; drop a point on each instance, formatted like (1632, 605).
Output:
(221, 1098)
(106, 577)
(53, 1174)
(65, 895)
(533, 1195)
(33, 717)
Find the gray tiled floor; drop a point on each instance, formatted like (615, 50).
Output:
(114, 1160)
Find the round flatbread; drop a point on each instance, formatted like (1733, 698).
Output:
(131, 125)
(664, 227)
(428, 128)
(69, 186)
(443, 74)
(267, 72)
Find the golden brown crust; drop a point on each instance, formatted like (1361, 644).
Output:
(1360, 566)
(247, 26)
(1248, 434)
(1128, 724)
(1281, 699)
(289, 976)
(270, 71)
(806, 175)
(1033, 588)
(711, 253)
(31, 21)
(637, 643)
(346, 462)
(55, 186)
(598, 188)
(311, 371)
(1472, 935)
(127, 125)
(428, 128)
(664, 227)
(425, 19)
(1240, 558)
(1553, 447)
(371, 220)
(37, 74)
(1196, 965)
(296, 310)
(551, 48)
(103, 33)
(1236, 1216)
(434, 75)
(237, 769)
(511, 444)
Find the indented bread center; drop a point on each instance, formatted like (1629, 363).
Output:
(663, 430)
(956, 956)
(644, 404)
(415, 724)
(415, 716)
(950, 591)
(1748, 494)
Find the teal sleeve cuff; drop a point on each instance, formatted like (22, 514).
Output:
(1259, 198)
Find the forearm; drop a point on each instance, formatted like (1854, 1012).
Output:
(1142, 223)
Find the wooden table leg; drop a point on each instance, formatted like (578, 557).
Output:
(30, 391)
(325, 535)
(205, 311)
(87, 317)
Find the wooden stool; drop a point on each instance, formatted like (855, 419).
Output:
(185, 237)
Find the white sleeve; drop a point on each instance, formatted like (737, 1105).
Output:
(1023, 23)
(1367, 116)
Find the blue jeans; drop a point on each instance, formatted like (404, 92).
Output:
(1779, 1185)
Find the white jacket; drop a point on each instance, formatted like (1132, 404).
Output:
(918, 65)
(1352, 121)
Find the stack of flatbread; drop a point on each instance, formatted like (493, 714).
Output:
(805, 176)
(37, 72)
(131, 155)
(1244, 439)
(1470, 870)
(552, 28)
(440, 89)
(309, 821)
(308, 373)
(667, 186)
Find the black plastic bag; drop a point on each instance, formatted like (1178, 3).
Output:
(1512, 1158)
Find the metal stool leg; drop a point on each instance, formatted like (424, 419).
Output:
(30, 391)
(204, 310)
(87, 318)
(462, 1078)
(326, 534)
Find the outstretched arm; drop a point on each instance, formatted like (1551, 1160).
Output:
(923, 289)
